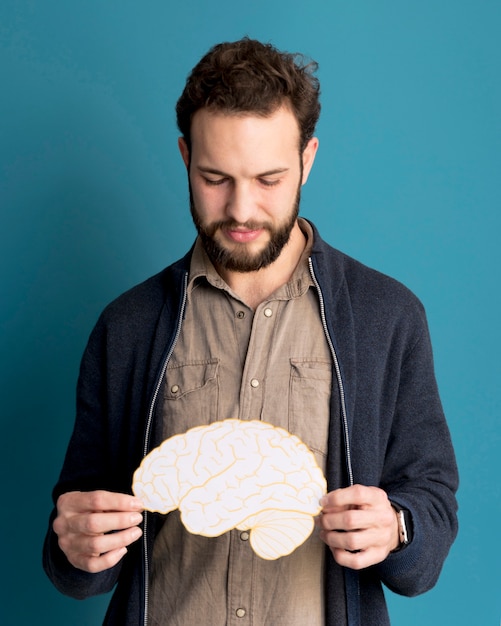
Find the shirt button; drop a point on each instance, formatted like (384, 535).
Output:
(174, 389)
(268, 312)
(254, 383)
(244, 536)
(240, 612)
(240, 314)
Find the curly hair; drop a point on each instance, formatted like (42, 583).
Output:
(247, 76)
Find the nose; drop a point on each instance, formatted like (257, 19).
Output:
(240, 203)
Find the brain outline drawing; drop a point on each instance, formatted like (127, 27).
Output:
(248, 475)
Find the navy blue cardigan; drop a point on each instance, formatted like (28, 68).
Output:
(386, 405)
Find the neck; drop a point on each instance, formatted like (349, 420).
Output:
(256, 287)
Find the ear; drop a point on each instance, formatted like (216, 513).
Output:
(183, 149)
(308, 157)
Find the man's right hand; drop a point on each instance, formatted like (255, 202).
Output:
(94, 528)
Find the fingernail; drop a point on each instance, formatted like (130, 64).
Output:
(136, 518)
(136, 533)
(121, 553)
(324, 501)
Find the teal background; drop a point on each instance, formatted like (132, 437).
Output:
(93, 199)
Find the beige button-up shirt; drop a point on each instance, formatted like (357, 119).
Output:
(272, 364)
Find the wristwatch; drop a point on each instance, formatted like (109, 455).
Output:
(404, 525)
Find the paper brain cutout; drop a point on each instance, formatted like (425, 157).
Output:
(247, 475)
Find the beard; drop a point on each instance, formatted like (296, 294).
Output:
(240, 259)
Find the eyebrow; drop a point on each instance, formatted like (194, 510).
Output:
(210, 170)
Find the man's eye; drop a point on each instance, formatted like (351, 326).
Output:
(269, 182)
(215, 182)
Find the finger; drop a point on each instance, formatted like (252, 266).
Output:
(358, 560)
(95, 564)
(356, 496)
(101, 544)
(350, 542)
(345, 520)
(358, 540)
(379, 522)
(97, 553)
(80, 501)
(100, 523)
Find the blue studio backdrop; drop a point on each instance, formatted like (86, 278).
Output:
(93, 199)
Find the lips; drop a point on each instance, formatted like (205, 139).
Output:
(243, 236)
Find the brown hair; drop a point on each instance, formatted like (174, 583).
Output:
(249, 76)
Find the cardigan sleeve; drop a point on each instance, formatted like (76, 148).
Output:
(420, 472)
(85, 468)
(118, 372)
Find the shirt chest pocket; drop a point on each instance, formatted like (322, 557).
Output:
(191, 395)
(309, 403)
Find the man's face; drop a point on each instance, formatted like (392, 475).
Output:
(245, 177)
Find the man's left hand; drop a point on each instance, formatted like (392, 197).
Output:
(359, 525)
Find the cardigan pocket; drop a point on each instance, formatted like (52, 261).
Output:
(191, 396)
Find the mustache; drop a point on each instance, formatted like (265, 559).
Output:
(231, 224)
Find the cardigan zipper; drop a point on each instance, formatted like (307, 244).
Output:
(337, 369)
(147, 436)
(353, 580)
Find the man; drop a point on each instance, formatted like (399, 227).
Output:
(260, 320)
